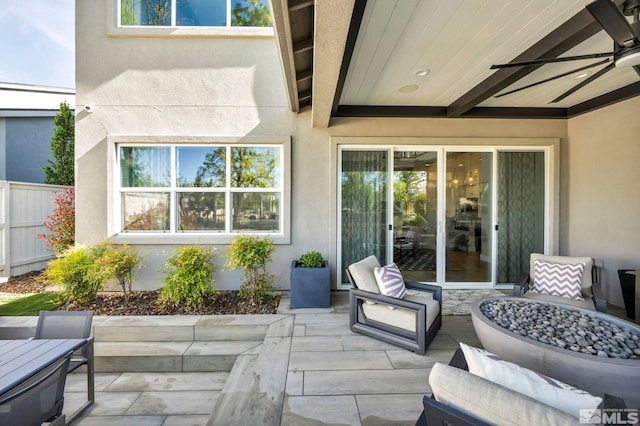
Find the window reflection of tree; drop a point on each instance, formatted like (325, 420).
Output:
(254, 14)
(145, 166)
(157, 12)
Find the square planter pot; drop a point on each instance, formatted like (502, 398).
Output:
(310, 286)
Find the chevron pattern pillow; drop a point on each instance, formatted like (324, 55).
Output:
(558, 279)
(390, 281)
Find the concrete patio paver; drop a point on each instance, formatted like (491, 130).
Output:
(316, 410)
(366, 382)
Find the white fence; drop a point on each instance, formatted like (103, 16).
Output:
(23, 209)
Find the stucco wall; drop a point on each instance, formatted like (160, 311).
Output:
(166, 87)
(601, 200)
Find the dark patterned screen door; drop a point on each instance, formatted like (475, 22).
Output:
(521, 211)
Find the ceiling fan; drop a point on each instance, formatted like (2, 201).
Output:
(626, 46)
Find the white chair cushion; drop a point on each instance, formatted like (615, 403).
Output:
(549, 391)
(403, 318)
(390, 281)
(362, 274)
(490, 402)
(585, 283)
(558, 279)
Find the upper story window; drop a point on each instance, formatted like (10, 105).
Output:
(194, 13)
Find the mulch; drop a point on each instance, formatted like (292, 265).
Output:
(144, 302)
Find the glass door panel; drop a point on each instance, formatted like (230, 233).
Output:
(468, 217)
(415, 211)
(521, 212)
(363, 179)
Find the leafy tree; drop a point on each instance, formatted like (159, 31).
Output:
(254, 14)
(61, 170)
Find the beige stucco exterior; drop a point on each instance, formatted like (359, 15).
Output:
(202, 88)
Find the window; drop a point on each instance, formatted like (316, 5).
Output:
(222, 189)
(194, 13)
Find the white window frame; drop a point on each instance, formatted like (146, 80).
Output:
(116, 223)
(116, 30)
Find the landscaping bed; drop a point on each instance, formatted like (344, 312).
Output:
(144, 302)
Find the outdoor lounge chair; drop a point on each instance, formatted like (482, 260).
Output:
(411, 322)
(70, 325)
(471, 400)
(591, 293)
(38, 399)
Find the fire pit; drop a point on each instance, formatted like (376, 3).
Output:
(589, 350)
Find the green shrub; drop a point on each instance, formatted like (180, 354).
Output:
(77, 271)
(188, 276)
(251, 254)
(311, 259)
(120, 263)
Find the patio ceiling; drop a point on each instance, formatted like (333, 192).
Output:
(432, 58)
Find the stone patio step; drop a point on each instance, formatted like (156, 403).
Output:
(188, 343)
(185, 328)
(111, 357)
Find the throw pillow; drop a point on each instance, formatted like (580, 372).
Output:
(390, 281)
(558, 279)
(527, 382)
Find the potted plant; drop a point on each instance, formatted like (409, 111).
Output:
(310, 282)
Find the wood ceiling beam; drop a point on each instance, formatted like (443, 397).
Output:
(304, 75)
(352, 36)
(619, 95)
(304, 96)
(282, 29)
(441, 112)
(573, 32)
(302, 46)
(299, 4)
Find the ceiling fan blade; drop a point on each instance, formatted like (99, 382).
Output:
(584, 83)
(637, 68)
(613, 21)
(552, 60)
(553, 78)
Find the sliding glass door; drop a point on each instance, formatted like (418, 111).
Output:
(415, 214)
(461, 218)
(468, 217)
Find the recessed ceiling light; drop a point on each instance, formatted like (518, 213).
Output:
(408, 88)
(583, 74)
(422, 73)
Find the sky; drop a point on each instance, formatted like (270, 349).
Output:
(37, 42)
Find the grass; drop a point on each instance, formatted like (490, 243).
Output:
(30, 305)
